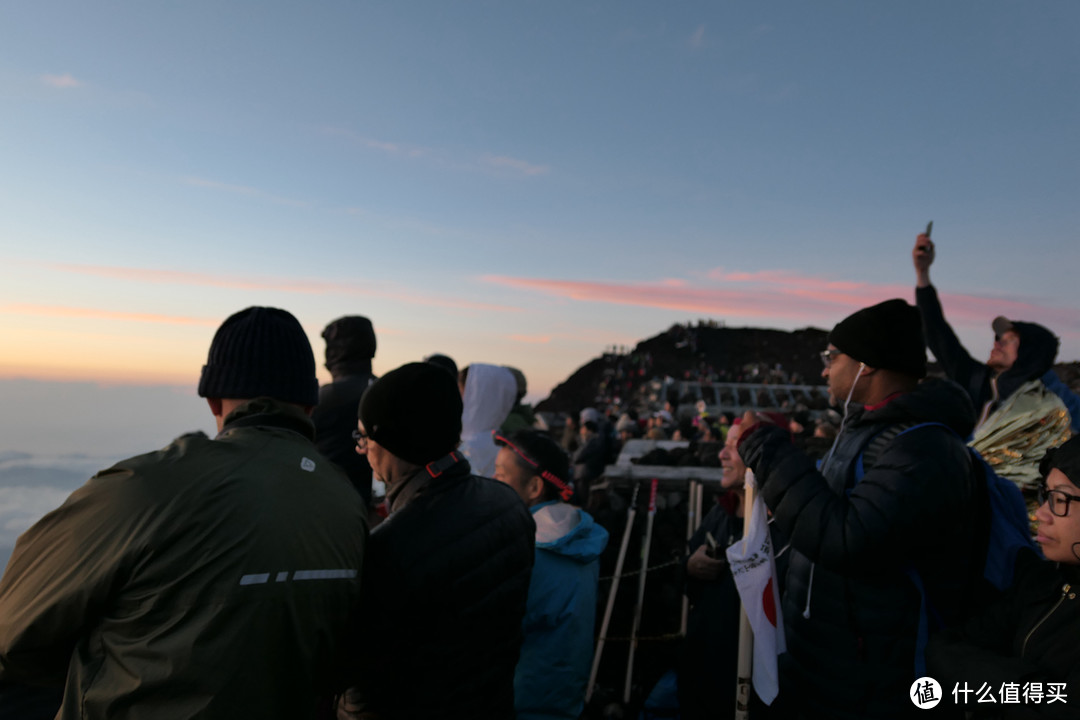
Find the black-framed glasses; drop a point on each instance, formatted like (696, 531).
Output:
(360, 437)
(1058, 499)
(828, 355)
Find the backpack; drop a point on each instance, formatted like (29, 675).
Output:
(1006, 527)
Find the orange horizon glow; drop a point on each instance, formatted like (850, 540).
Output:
(276, 284)
(85, 313)
(107, 376)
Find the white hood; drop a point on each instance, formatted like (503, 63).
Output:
(490, 392)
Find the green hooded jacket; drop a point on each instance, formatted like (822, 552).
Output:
(212, 579)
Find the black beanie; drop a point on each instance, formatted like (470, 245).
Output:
(261, 351)
(445, 362)
(414, 412)
(1065, 458)
(888, 336)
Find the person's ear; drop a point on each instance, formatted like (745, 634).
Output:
(215, 406)
(535, 489)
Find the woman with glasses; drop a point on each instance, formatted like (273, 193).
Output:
(1023, 651)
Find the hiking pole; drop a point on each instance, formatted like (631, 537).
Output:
(699, 501)
(691, 506)
(746, 635)
(645, 545)
(611, 593)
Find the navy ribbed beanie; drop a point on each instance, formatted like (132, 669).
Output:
(261, 351)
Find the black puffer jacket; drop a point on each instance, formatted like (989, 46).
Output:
(445, 586)
(1035, 356)
(851, 610)
(1029, 636)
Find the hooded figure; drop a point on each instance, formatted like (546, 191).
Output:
(1019, 417)
(489, 394)
(1019, 401)
(350, 347)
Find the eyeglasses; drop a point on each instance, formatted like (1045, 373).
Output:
(1058, 499)
(360, 437)
(828, 355)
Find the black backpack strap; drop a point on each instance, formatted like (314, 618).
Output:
(870, 454)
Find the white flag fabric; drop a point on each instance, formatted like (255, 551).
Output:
(754, 568)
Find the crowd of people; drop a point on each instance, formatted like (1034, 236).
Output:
(413, 546)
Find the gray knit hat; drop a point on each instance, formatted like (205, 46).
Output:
(261, 351)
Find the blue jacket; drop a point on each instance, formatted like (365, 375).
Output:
(1072, 401)
(556, 656)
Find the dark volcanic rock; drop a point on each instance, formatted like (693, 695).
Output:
(695, 353)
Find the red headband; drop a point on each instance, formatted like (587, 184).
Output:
(564, 490)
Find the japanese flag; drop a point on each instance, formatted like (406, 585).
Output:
(754, 569)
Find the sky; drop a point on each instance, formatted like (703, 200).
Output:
(520, 183)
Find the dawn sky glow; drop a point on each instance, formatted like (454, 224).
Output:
(522, 183)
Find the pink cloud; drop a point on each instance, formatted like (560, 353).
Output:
(786, 278)
(60, 81)
(81, 313)
(711, 301)
(786, 296)
(289, 285)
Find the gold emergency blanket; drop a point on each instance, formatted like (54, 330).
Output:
(1014, 438)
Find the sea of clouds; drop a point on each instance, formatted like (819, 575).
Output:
(32, 485)
(55, 436)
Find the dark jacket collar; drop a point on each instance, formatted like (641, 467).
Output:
(424, 480)
(268, 412)
(932, 400)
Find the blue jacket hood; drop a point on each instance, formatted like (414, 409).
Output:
(568, 531)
